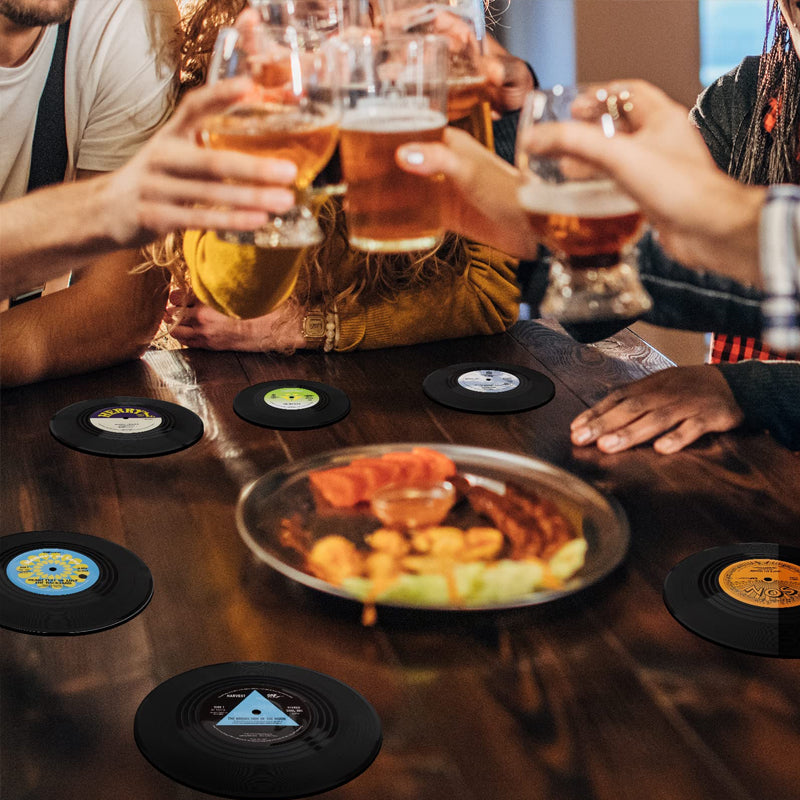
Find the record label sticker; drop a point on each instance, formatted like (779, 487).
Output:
(763, 582)
(52, 572)
(291, 398)
(262, 715)
(125, 420)
(488, 381)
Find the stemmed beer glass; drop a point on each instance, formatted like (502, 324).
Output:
(292, 113)
(588, 223)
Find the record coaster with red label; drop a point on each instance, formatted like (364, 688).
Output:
(126, 427)
(257, 730)
(291, 404)
(62, 583)
(489, 388)
(743, 596)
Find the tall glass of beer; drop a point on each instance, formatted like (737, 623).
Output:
(292, 113)
(463, 23)
(393, 91)
(586, 221)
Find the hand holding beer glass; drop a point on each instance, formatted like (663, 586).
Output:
(394, 91)
(463, 23)
(588, 223)
(292, 113)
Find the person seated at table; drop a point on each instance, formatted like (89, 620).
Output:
(701, 215)
(366, 301)
(171, 183)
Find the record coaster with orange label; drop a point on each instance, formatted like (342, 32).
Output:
(743, 596)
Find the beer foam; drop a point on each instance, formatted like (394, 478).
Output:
(383, 118)
(601, 198)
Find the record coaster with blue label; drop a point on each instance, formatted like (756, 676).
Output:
(126, 427)
(743, 596)
(257, 730)
(58, 583)
(291, 404)
(489, 388)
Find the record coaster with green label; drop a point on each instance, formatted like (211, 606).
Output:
(291, 404)
(257, 730)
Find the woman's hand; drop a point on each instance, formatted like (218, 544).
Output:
(174, 183)
(675, 407)
(200, 326)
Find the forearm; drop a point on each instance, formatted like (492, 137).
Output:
(769, 395)
(52, 231)
(107, 317)
(482, 300)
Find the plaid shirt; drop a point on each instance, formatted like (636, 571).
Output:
(729, 349)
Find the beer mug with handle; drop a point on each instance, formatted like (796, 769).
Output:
(463, 23)
(586, 221)
(292, 113)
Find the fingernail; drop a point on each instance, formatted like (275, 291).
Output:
(579, 421)
(609, 442)
(412, 156)
(581, 435)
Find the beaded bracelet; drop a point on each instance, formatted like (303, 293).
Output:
(779, 255)
(331, 330)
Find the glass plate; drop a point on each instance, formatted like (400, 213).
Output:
(286, 491)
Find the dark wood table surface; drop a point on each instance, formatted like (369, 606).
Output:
(601, 696)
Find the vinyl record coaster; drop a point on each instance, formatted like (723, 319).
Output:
(257, 730)
(126, 427)
(743, 596)
(61, 583)
(489, 388)
(291, 404)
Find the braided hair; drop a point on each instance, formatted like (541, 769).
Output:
(772, 156)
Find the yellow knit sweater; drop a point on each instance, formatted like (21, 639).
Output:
(479, 297)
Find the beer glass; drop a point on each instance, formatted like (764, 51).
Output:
(393, 91)
(587, 222)
(463, 22)
(292, 113)
(318, 19)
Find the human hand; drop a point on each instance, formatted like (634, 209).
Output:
(482, 198)
(200, 326)
(675, 407)
(702, 216)
(509, 79)
(174, 183)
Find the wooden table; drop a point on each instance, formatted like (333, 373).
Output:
(603, 696)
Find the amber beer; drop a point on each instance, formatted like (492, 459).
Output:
(587, 223)
(468, 107)
(306, 137)
(388, 209)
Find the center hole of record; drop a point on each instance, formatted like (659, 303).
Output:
(767, 578)
(256, 711)
(53, 569)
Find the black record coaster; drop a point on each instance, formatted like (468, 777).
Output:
(257, 730)
(60, 583)
(489, 388)
(126, 427)
(291, 404)
(743, 596)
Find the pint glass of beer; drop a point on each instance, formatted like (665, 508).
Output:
(292, 113)
(589, 225)
(463, 23)
(394, 91)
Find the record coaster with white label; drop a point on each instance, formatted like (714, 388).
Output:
(489, 388)
(291, 404)
(126, 427)
(58, 583)
(743, 596)
(257, 730)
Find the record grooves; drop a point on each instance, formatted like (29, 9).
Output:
(291, 404)
(58, 583)
(257, 730)
(488, 388)
(742, 596)
(126, 427)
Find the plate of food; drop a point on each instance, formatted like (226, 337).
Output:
(432, 526)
